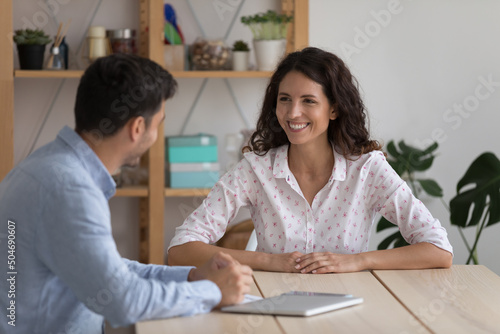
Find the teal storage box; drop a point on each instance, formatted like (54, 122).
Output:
(190, 149)
(192, 175)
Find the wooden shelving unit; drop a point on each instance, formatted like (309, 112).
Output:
(6, 90)
(170, 192)
(176, 74)
(151, 196)
(142, 191)
(47, 74)
(130, 191)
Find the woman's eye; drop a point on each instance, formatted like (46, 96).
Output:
(309, 101)
(284, 99)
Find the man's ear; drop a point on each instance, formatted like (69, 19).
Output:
(136, 127)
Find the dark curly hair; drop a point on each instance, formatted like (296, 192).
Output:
(347, 132)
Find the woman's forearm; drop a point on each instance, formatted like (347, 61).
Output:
(196, 253)
(418, 256)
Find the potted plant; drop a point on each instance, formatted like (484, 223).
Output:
(31, 48)
(269, 32)
(240, 56)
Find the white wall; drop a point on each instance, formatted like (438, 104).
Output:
(416, 60)
(412, 68)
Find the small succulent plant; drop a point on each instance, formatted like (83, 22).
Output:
(31, 37)
(240, 46)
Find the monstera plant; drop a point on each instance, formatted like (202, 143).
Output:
(407, 161)
(477, 202)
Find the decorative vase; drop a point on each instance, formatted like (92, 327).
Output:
(268, 53)
(31, 56)
(240, 60)
(174, 56)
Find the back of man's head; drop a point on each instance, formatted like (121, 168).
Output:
(117, 88)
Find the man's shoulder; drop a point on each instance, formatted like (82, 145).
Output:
(54, 165)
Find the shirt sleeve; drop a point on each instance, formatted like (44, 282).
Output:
(159, 272)
(209, 221)
(74, 241)
(394, 200)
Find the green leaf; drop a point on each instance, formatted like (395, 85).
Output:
(478, 191)
(392, 150)
(400, 242)
(431, 148)
(407, 148)
(395, 238)
(431, 187)
(411, 159)
(421, 165)
(384, 224)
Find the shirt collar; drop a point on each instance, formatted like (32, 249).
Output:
(90, 161)
(339, 168)
(280, 166)
(281, 169)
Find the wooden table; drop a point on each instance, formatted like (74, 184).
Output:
(463, 299)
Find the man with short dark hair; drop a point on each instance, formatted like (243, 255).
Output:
(66, 275)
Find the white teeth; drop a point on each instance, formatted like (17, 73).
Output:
(298, 126)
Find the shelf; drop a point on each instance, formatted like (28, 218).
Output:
(222, 74)
(132, 191)
(171, 192)
(47, 74)
(176, 74)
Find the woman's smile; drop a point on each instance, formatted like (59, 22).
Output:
(295, 126)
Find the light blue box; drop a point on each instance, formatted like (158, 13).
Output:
(190, 149)
(201, 139)
(193, 179)
(192, 175)
(192, 154)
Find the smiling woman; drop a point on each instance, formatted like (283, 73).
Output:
(314, 182)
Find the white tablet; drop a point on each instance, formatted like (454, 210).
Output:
(296, 303)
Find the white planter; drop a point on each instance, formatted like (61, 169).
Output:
(269, 53)
(240, 60)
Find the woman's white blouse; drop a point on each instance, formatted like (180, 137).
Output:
(339, 220)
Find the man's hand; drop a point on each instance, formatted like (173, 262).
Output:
(232, 278)
(321, 263)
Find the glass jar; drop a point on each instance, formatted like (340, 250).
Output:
(122, 40)
(209, 55)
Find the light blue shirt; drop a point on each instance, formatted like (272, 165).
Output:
(67, 275)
